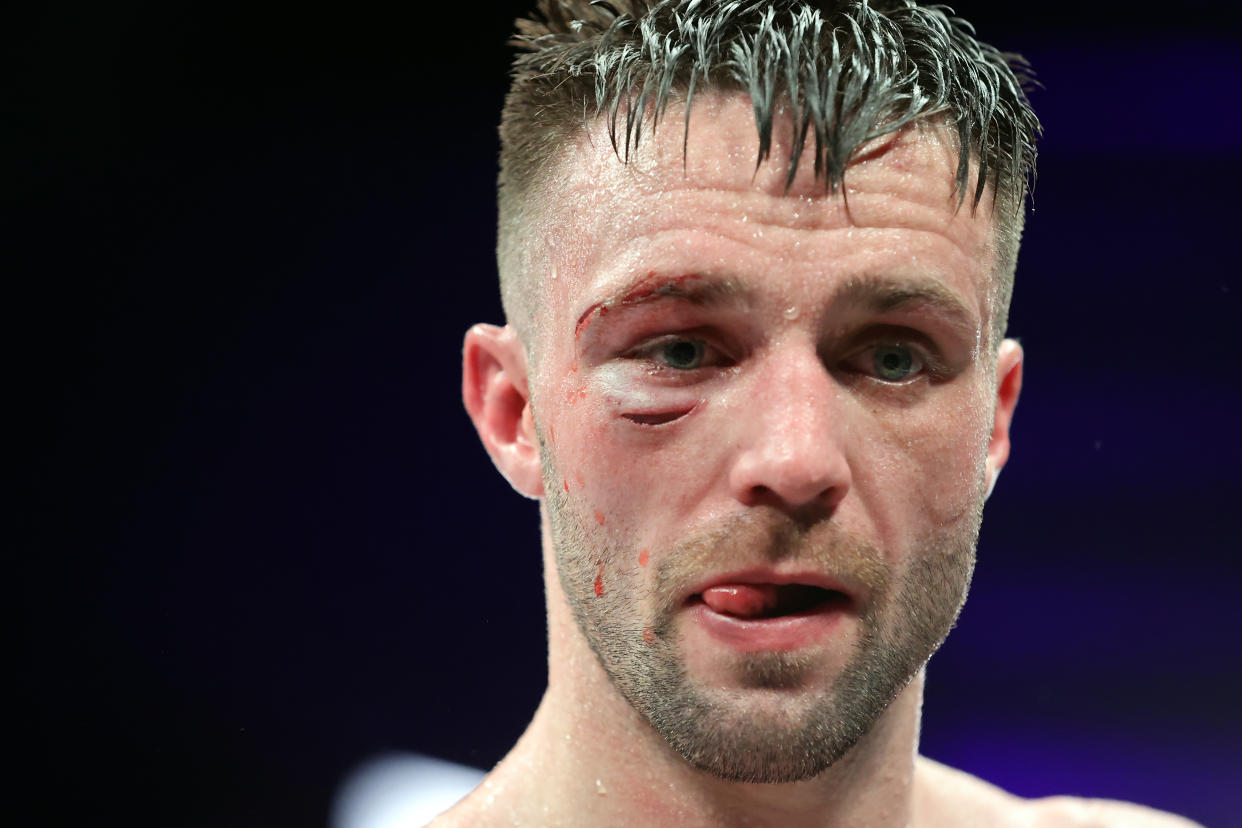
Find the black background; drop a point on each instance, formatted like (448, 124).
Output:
(257, 541)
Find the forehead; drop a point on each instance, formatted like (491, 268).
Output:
(603, 218)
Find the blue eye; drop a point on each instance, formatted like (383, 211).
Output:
(683, 354)
(894, 363)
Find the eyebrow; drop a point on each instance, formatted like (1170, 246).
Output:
(702, 291)
(885, 294)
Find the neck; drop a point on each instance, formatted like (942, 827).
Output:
(588, 752)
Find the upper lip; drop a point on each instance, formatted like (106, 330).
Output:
(759, 575)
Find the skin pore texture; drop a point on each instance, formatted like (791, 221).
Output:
(731, 386)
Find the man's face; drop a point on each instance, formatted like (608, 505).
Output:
(763, 417)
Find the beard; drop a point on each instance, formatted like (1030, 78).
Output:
(781, 719)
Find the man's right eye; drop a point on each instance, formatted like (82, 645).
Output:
(678, 354)
(683, 354)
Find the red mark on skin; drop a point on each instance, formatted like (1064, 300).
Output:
(552, 433)
(575, 394)
(649, 636)
(599, 517)
(598, 309)
(651, 287)
(642, 558)
(578, 479)
(599, 582)
(566, 487)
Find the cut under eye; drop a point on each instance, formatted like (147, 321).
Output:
(658, 419)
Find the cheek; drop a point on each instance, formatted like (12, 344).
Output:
(625, 478)
(941, 453)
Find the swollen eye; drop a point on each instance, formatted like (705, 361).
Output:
(683, 354)
(894, 363)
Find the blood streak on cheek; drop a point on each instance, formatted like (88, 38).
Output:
(642, 558)
(649, 636)
(599, 582)
(599, 518)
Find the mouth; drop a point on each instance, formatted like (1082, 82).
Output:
(762, 610)
(764, 601)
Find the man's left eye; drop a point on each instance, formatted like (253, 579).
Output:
(895, 363)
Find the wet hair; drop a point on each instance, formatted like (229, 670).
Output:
(848, 71)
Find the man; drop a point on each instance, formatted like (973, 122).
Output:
(756, 260)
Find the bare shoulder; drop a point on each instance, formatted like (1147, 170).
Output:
(1101, 813)
(473, 809)
(945, 796)
(488, 805)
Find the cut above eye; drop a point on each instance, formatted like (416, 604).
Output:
(895, 363)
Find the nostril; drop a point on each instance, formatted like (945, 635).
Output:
(806, 513)
(810, 482)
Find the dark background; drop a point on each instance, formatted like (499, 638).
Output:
(258, 542)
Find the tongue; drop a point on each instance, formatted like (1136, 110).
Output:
(742, 600)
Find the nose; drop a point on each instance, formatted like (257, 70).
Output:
(792, 438)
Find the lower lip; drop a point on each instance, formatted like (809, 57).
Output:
(779, 634)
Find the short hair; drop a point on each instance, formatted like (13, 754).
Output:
(849, 71)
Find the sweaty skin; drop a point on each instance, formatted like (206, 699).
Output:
(713, 356)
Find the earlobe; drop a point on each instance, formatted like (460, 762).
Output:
(497, 396)
(1008, 387)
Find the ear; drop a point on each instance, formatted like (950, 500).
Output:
(1008, 386)
(495, 390)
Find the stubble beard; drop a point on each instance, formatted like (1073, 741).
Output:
(779, 724)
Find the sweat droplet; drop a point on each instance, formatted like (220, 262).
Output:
(791, 313)
(599, 787)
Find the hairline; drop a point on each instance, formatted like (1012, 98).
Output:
(533, 208)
